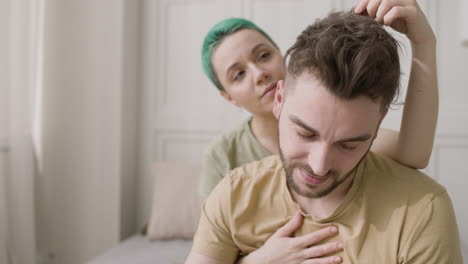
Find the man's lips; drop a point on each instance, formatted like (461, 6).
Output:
(312, 179)
(271, 89)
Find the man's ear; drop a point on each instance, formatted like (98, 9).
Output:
(384, 113)
(279, 99)
(228, 98)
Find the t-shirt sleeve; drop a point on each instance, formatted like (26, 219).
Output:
(435, 238)
(212, 172)
(213, 237)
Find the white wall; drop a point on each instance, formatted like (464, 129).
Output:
(451, 151)
(85, 200)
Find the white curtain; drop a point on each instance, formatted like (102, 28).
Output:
(19, 61)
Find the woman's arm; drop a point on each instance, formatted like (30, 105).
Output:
(412, 146)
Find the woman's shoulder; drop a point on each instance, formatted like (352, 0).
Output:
(238, 135)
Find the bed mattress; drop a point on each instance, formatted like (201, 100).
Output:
(139, 250)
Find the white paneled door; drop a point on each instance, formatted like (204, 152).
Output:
(183, 110)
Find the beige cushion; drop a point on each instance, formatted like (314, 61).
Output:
(176, 203)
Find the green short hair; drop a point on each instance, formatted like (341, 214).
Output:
(216, 34)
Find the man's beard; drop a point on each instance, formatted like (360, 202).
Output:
(313, 191)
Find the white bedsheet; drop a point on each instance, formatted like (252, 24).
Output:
(139, 250)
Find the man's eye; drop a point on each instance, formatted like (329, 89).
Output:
(305, 135)
(348, 147)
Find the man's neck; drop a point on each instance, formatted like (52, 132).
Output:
(265, 129)
(325, 206)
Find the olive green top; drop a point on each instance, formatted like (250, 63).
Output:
(229, 151)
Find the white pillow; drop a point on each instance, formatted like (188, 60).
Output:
(176, 203)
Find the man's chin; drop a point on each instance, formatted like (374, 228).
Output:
(316, 194)
(312, 191)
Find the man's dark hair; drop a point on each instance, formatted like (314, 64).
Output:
(351, 55)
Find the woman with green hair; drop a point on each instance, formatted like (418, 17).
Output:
(245, 64)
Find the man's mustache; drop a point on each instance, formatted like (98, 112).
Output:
(300, 165)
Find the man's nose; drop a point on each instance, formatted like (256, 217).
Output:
(320, 159)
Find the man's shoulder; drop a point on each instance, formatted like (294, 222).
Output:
(255, 177)
(248, 186)
(258, 169)
(401, 177)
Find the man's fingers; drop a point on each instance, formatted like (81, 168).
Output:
(323, 250)
(317, 236)
(288, 229)
(327, 260)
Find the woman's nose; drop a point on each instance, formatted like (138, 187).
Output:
(260, 74)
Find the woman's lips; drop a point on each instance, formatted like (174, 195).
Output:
(270, 90)
(311, 179)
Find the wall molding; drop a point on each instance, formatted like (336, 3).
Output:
(166, 144)
(445, 141)
(178, 132)
(163, 14)
(163, 139)
(247, 6)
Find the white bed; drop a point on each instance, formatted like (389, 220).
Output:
(139, 250)
(175, 210)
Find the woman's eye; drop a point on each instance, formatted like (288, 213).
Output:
(265, 55)
(238, 75)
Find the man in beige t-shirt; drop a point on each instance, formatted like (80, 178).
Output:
(390, 214)
(326, 198)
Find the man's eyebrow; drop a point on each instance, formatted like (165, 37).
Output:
(299, 122)
(361, 138)
(235, 64)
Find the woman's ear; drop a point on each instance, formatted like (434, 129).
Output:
(228, 98)
(279, 99)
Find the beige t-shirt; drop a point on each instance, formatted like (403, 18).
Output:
(391, 214)
(229, 151)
